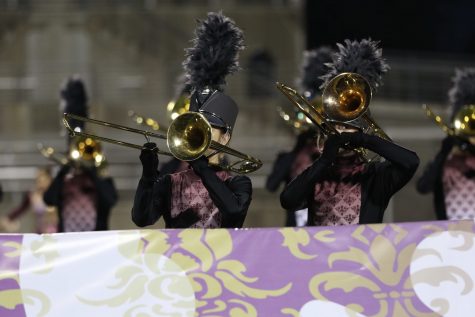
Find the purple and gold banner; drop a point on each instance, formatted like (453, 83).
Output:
(409, 269)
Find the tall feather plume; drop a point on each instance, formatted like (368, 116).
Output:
(363, 57)
(215, 52)
(75, 98)
(313, 68)
(462, 92)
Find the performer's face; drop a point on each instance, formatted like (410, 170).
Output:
(217, 135)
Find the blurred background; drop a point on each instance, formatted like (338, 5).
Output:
(129, 53)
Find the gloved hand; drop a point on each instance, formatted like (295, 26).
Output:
(149, 159)
(354, 139)
(336, 141)
(333, 143)
(199, 164)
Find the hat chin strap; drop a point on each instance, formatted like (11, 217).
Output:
(214, 115)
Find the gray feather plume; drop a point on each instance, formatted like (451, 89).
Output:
(462, 92)
(363, 57)
(215, 52)
(313, 68)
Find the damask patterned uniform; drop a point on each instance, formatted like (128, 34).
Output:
(339, 200)
(83, 199)
(201, 197)
(459, 188)
(79, 200)
(451, 177)
(342, 190)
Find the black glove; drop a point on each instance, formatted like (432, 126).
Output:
(354, 139)
(332, 145)
(149, 159)
(199, 164)
(336, 141)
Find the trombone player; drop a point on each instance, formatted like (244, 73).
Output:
(341, 187)
(451, 175)
(204, 196)
(81, 195)
(307, 146)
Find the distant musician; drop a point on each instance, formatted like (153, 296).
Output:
(340, 187)
(451, 175)
(205, 195)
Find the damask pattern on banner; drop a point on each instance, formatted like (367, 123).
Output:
(407, 269)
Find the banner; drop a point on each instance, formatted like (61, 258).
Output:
(408, 269)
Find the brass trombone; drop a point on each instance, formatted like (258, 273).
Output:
(438, 120)
(188, 138)
(346, 98)
(345, 101)
(178, 106)
(52, 155)
(83, 151)
(463, 124)
(148, 122)
(175, 107)
(307, 108)
(296, 120)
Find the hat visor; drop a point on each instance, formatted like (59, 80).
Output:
(215, 121)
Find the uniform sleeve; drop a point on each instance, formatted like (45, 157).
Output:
(152, 199)
(426, 183)
(299, 189)
(280, 171)
(52, 195)
(106, 191)
(232, 196)
(396, 171)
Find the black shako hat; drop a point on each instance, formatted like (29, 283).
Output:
(75, 97)
(220, 110)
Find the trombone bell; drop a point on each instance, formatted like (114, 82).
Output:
(346, 97)
(189, 136)
(464, 121)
